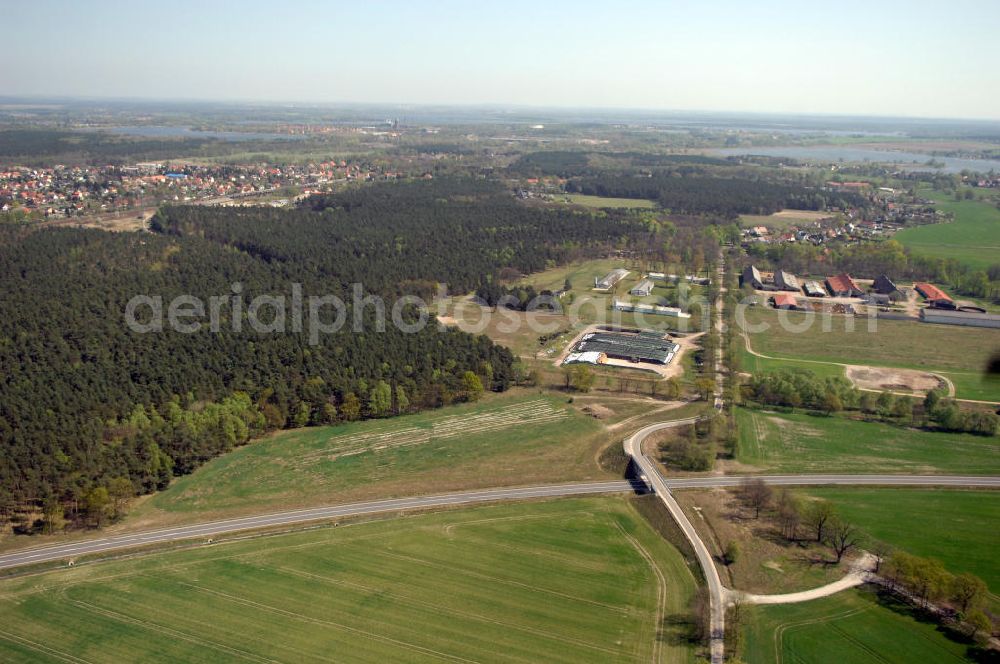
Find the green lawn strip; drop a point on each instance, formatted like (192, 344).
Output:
(973, 238)
(754, 364)
(956, 527)
(515, 440)
(543, 581)
(800, 443)
(852, 627)
(902, 344)
(606, 202)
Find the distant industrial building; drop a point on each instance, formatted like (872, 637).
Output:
(968, 318)
(751, 278)
(674, 278)
(843, 285)
(610, 279)
(813, 289)
(674, 312)
(935, 297)
(884, 285)
(643, 288)
(642, 347)
(785, 301)
(786, 281)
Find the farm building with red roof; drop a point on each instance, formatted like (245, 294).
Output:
(843, 285)
(935, 296)
(785, 301)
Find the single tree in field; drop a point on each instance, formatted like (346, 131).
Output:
(582, 378)
(903, 409)
(705, 387)
(818, 517)
(832, 403)
(350, 407)
(968, 591)
(98, 504)
(472, 386)
(842, 537)
(979, 622)
(757, 495)
(789, 515)
(885, 403)
(732, 553)
(120, 489)
(881, 552)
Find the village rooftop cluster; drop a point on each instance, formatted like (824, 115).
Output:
(69, 191)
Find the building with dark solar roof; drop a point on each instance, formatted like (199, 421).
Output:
(884, 285)
(642, 347)
(813, 289)
(751, 277)
(786, 281)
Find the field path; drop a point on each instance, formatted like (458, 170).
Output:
(944, 379)
(858, 574)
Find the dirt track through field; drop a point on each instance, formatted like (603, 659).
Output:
(538, 411)
(924, 376)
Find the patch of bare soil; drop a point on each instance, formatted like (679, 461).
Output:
(896, 380)
(115, 222)
(810, 215)
(767, 562)
(597, 411)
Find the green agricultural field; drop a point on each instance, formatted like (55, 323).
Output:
(581, 580)
(798, 443)
(581, 274)
(960, 353)
(753, 364)
(603, 202)
(956, 527)
(506, 440)
(973, 238)
(784, 219)
(853, 627)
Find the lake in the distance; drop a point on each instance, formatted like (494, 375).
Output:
(912, 161)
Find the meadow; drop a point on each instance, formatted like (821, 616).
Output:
(973, 238)
(754, 364)
(511, 439)
(582, 580)
(784, 219)
(799, 443)
(853, 627)
(605, 202)
(959, 353)
(952, 526)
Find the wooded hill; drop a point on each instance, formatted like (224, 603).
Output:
(727, 196)
(91, 411)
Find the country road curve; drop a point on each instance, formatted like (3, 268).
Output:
(720, 597)
(718, 594)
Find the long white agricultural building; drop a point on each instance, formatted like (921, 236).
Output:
(673, 312)
(952, 317)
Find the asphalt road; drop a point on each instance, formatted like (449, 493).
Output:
(78, 548)
(716, 591)
(71, 550)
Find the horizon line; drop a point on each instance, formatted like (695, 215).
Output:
(510, 106)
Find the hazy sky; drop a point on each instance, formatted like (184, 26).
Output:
(912, 58)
